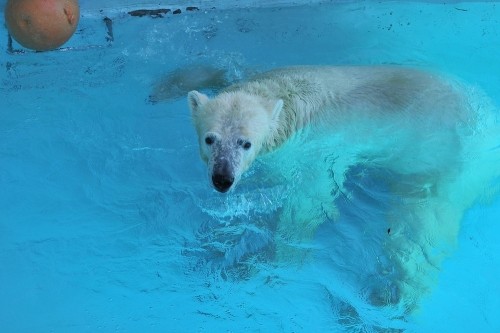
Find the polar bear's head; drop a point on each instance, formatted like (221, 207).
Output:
(232, 130)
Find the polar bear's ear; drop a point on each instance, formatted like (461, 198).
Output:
(196, 100)
(277, 109)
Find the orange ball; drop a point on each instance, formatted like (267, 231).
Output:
(42, 24)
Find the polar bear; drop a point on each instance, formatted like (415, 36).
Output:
(413, 125)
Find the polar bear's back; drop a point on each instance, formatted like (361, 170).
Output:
(309, 92)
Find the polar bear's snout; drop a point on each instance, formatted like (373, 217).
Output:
(222, 176)
(222, 182)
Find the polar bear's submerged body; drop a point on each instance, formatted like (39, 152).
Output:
(420, 129)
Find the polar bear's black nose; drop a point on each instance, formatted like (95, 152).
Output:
(222, 183)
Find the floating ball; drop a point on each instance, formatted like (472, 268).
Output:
(42, 24)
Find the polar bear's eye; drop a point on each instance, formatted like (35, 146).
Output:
(243, 143)
(209, 140)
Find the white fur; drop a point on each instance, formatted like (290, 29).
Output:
(415, 124)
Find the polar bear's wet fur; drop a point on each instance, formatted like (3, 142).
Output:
(435, 145)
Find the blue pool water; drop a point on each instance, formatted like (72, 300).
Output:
(107, 220)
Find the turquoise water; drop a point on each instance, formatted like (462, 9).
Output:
(108, 223)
